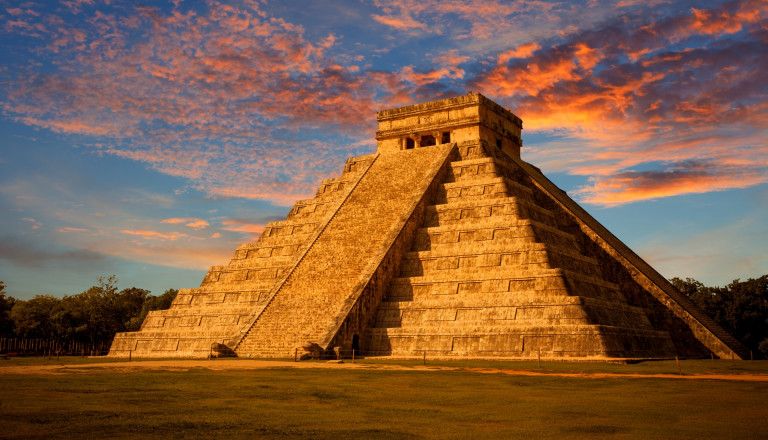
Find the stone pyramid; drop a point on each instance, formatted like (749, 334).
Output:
(443, 243)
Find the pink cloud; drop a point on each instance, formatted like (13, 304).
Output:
(522, 51)
(450, 58)
(154, 235)
(237, 225)
(206, 88)
(222, 77)
(68, 229)
(35, 224)
(630, 186)
(625, 95)
(402, 22)
(194, 223)
(197, 224)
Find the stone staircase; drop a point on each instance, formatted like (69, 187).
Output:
(491, 275)
(229, 296)
(443, 243)
(310, 304)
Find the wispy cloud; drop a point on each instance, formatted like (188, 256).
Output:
(194, 223)
(244, 226)
(243, 103)
(204, 94)
(25, 252)
(155, 234)
(643, 93)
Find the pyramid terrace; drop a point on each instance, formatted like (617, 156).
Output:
(442, 243)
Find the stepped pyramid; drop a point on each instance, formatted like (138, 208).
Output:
(445, 243)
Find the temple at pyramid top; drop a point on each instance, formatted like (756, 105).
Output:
(442, 243)
(464, 118)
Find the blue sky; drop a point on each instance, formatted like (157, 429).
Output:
(149, 141)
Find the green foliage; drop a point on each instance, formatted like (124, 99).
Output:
(92, 316)
(741, 307)
(151, 303)
(6, 305)
(34, 318)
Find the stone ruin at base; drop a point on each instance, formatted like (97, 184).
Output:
(442, 243)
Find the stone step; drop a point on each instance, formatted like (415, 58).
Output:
(265, 250)
(487, 166)
(317, 288)
(560, 341)
(466, 314)
(278, 261)
(546, 281)
(428, 263)
(461, 211)
(493, 229)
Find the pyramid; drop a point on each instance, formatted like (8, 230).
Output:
(443, 243)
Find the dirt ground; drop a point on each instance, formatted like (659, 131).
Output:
(227, 364)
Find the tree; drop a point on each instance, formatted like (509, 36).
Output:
(741, 307)
(6, 305)
(151, 303)
(746, 309)
(32, 318)
(93, 310)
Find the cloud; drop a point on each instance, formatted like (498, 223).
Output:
(450, 58)
(210, 94)
(35, 224)
(70, 229)
(245, 104)
(681, 178)
(29, 254)
(154, 234)
(243, 226)
(647, 93)
(468, 18)
(194, 223)
(522, 51)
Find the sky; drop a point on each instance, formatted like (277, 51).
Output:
(149, 139)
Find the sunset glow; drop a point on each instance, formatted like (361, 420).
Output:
(149, 140)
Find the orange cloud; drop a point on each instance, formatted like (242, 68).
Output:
(154, 234)
(419, 79)
(627, 98)
(450, 58)
(237, 225)
(227, 96)
(631, 186)
(72, 229)
(402, 22)
(483, 19)
(522, 51)
(224, 77)
(194, 223)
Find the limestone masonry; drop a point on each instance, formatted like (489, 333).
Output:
(442, 242)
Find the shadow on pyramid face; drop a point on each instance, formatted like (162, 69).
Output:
(455, 248)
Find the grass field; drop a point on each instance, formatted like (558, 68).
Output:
(381, 403)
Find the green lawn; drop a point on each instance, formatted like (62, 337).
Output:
(325, 403)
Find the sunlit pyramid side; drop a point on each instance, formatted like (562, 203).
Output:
(442, 243)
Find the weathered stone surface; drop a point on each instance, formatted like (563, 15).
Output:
(443, 242)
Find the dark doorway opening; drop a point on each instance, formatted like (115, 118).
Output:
(356, 345)
(428, 140)
(409, 144)
(446, 138)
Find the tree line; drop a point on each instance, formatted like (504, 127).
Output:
(89, 319)
(741, 307)
(94, 316)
